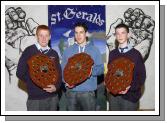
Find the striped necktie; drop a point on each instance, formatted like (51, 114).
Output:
(122, 49)
(44, 51)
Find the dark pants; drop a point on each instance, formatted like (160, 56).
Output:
(117, 103)
(81, 101)
(48, 104)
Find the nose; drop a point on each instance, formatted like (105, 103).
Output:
(78, 35)
(43, 37)
(118, 35)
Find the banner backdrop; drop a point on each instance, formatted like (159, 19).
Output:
(62, 19)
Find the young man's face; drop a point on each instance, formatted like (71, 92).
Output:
(121, 35)
(43, 37)
(80, 35)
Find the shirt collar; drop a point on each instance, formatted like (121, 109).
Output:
(39, 47)
(129, 47)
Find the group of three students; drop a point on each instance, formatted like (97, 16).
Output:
(82, 97)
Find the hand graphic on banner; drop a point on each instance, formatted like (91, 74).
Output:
(19, 33)
(141, 28)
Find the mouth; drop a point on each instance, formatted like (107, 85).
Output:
(44, 42)
(79, 39)
(120, 39)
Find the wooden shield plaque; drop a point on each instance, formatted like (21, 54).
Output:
(119, 75)
(43, 70)
(78, 68)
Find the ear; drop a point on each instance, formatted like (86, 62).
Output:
(129, 35)
(50, 37)
(36, 36)
(87, 34)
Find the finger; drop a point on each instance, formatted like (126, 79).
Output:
(20, 13)
(52, 88)
(32, 25)
(12, 13)
(128, 88)
(48, 90)
(49, 86)
(120, 92)
(9, 22)
(66, 84)
(107, 90)
(45, 89)
(71, 86)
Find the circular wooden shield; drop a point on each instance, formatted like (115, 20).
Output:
(119, 75)
(78, 68)
(43, 70)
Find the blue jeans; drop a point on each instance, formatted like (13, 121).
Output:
(117, 103)
(81, 101)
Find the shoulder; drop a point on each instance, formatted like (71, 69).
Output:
(28, 52)
(114, 51)
(29, 48)
(137, 55)
(94, 48)
(68, 49)
(136, 52)
(54, 52)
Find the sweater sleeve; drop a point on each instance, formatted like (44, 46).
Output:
(139, 74)
(98, 67)
(57, 62)
(141, 71)
(22, 67)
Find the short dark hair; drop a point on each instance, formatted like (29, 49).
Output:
(81, 24)
(122, 26)
(42, 27)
